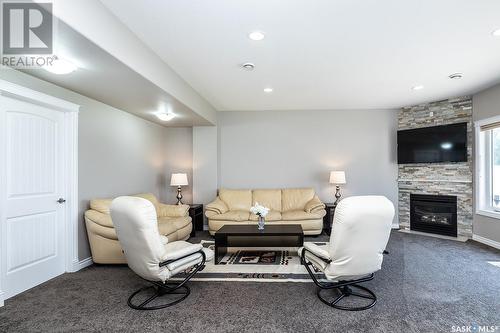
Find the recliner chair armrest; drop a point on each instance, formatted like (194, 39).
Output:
(317, 251)
(314, 205)
(165, 210)
(217, 206)
(181, 253)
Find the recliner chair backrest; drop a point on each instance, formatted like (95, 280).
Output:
(360, 233)
(136, 226)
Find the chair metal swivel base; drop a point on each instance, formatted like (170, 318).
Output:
(180, 290)
(159, 290)
(344, 290)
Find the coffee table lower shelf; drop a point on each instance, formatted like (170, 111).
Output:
(285, 235)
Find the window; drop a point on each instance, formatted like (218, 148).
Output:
(496, 168)
(488, 167)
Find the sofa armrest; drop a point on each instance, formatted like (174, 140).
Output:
(99, 218)
(314, 205)
(172, 210)
(218, 206)
(210, 213)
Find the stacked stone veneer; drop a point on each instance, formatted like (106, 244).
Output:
(438, 178)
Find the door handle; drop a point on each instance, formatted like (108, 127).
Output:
(61, 201)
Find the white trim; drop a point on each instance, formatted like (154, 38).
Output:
(395, 226)
(486, 241)
(482, 169)
(78, 265)
(16, 91)
(477, 167)
(488, 213)
(71, 127)
(12, 90)
(3, 186)
(486, 121)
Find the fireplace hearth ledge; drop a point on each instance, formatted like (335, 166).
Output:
(458, 238)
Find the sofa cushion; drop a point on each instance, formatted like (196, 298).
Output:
(232, 215)
(295, 198)
(267, 198)
(215, 225)
(236, 199)
(297, 215)
(273, 215)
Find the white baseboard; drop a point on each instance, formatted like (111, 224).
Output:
(1, 299)
(395, 226)
(78, 265)
(486, 241)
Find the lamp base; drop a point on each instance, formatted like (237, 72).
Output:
(337, 195)
(179, 195)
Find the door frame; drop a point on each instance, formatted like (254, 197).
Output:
(70, 156)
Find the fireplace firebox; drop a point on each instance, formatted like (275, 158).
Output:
(436, 214)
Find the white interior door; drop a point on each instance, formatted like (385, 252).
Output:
(33, 220)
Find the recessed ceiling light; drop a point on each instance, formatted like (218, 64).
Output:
(61, 66)
(456, 76)
(165, 116)
(268, 90)
(256, 35)
(496, 33)
(248, 66)
(419, 87)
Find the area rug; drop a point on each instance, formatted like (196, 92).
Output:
(255, 265)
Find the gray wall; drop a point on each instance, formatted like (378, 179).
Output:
(205, 164)
(179, 152)
(277, 149)
(119, 153)
(486, 104)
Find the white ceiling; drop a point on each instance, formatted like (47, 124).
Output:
(328, 54)
(102, 77)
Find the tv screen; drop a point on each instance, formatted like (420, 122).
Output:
(447, 143)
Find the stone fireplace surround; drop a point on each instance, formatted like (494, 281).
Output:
(453, 179)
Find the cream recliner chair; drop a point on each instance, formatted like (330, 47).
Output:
(287, 206)
(360, 233)
(174, 222)
(151, 256)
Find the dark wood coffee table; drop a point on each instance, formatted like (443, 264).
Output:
(285, 235)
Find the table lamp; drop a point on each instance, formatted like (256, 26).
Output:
(337, 178)
(179, 179)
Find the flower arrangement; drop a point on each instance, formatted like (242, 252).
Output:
(259, 210)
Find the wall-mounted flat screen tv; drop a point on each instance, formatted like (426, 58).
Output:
(437, 144)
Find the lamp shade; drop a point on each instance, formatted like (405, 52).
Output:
(179, 179)
(337, 177)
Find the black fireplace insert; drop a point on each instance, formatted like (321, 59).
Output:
(436, 214)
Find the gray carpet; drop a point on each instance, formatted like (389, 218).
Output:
(426, 285)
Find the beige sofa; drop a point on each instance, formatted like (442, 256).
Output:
(287, 206)
(173, 222)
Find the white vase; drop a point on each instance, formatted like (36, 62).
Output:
(261, 223)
